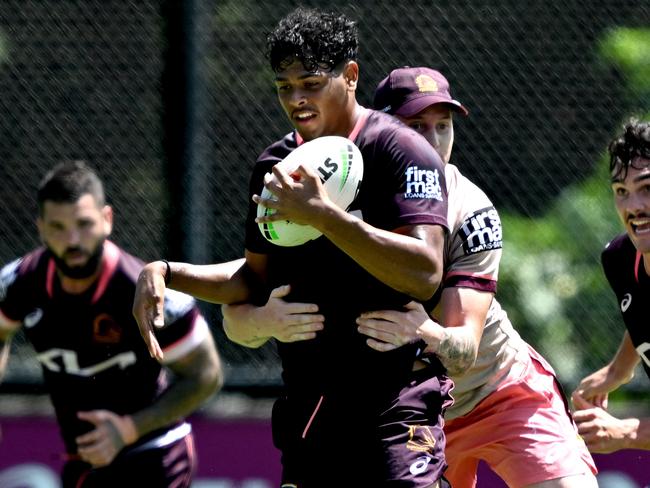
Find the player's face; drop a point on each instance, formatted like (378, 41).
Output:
(318, 103)
(74, 233)
(435, 123)
(632, 198)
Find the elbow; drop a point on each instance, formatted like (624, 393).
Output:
(212, 381)
(426, 286)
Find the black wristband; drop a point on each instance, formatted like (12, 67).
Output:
(168, 272)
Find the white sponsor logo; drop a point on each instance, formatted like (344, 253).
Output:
(625, 303)
(64, 360)
(33, 318)
(420, 465)
(8, 275)
(423, 183)
(482, 231)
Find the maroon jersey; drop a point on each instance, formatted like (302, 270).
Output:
(623, 266)
(89, 345)
(345, 402)
(403, 184)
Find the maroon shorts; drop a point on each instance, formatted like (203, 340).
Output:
(154, 466)
(342, 440)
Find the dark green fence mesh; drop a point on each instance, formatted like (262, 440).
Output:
(172, 101)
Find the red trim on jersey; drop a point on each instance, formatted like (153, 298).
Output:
(470, 275)
(355, 130)
(49, 280)
(109, 265)
(637, 263)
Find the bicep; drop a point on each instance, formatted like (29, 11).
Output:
(257, 266)
(467, 307)
(202, 359)
(432, 236)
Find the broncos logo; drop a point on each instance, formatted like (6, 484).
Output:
(421, 439)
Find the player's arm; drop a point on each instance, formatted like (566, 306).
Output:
(5, 343)
(217, 283)
(454, 338)
(604, 433)
(595, 388)
(252, 326)
(408, 259)
(7, 330)
(197, 376)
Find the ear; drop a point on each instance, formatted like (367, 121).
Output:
(351, 75)
(40, 225)
(107, 213)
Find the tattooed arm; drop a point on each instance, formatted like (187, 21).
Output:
(462, 311)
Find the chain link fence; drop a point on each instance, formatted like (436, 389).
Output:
(172, 101)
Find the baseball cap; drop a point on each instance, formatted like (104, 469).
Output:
(407, 91)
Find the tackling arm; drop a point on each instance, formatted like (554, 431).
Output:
(461, 310)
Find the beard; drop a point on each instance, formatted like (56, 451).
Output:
(83, 271)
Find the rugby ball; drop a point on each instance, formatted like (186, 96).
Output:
(338, 162)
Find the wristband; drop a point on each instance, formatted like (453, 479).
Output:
(168, 272)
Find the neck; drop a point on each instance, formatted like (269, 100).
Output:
(75, 286)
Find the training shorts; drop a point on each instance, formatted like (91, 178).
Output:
(523, 430)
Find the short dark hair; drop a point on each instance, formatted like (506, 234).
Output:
(67, 182)
(318, 39)
(632, 144)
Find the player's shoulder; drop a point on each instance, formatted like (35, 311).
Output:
(25, 266)
(457, 181)
(618, 251)
(126, 264)
(278, 150)
(383, 129)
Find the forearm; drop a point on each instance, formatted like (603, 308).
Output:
(640, 437)
(4, 356)
(241, 326)
(456, 347)
(402, 262)
(197, 378)
(621, 368)
(215, 283)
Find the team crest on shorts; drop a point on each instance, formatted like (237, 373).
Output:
(421, 439)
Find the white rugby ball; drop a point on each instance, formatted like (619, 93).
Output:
(338, 162)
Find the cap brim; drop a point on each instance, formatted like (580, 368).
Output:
(416, 105)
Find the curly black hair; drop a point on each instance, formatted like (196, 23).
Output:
(318, 39)
(633, 144)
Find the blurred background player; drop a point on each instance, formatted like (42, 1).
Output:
(120, 414)
(626, 263)
(349, 416)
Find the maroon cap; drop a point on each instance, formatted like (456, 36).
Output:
(407, 91)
